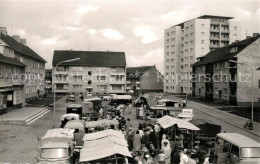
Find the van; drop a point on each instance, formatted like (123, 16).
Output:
(236, 148)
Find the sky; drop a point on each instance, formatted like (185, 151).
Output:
(135, 27)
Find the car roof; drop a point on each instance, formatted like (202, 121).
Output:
(55, 145)
(74, 106)
(74, 124)
(239, 140)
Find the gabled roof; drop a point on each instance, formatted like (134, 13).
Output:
(90, 58)
(25, 50)
(224, 52)
(11, 61)
(137, 72)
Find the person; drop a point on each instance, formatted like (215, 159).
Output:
(141, 112)
(128, 124)
(130, 108)
(161, 157)
(137, 142)
(157, 130)
(153, 138)
(190, 160)
(131, 134)
(100, 112)
(167, 151)
(183, 157)
(176, 156)
(164, 139)
(146, 137)
(184, 103)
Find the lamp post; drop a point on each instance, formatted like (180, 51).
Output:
(54, 111)
(252, 90)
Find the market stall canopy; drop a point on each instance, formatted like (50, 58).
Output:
(70, 116)
(103, 144)
(102, 141)
(158, 108)
(102, 134)
(102, 151)
(167, 121)
(92, 99)
(93, 124)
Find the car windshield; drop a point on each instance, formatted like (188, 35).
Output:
(54, 153)
(250, 152)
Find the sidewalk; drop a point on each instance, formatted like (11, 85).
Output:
(226, 117)
(22, 116)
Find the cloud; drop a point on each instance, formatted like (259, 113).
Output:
(91, 31)
(146, 33)
(83, 9)
(112, 34)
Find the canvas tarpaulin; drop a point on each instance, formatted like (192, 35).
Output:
(167, 121)
(102, 134)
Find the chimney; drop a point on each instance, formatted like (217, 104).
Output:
(3, 30)
(23, 41)
(248, 37)
(255, 34)
(17, 38)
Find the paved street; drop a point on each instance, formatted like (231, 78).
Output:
(19, 143)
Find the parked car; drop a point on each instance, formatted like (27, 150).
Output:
(75, 108)
(79, 127)
(72, 98)
(106, 98)
(56, 146)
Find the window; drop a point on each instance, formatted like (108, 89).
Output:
(224, 78)
(89, 82)
(226, 65)
(101, 78)
(235, 36)
(77, 86)
(202, 49)
(89, 73)
(225, 91)
(235, 150)
(235, 27)
(202, 25)
(1, 71)
(101, 87)
(167, 87)
(202, 33)
(202, 41)
(233, 49)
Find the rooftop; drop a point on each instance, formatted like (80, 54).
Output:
(21, 48)
(90, 58)
(224, 52)
(137, 71)
(12, 61)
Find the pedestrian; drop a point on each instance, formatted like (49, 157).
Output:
(161, 157)
(141, 112)
(176, 156)
(164, 139)
(183, 157)
(137, 142)
(184, 103)
(130, 108)
(167, 151)
(128, 124)
(190, 160)
(153, 138)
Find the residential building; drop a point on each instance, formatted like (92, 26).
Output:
(144, 79)
(22, 71)
(185, 42)
(217, 78)
(48, 81)
(96, 73)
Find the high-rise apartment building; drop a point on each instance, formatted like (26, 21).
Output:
(185, 42)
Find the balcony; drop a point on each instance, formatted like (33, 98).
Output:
(137, 88)
(128, 87)
(117, 82)
(138, 82)
(117, 73)
(224, 39)
(61, 72)
(213, 38)
(128, 82)
(117, 91)
(214, 30)
(225, 31)
(213, 46)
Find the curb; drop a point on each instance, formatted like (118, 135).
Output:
(224, 120)
(27, 121)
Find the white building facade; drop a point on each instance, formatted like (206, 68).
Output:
(185, 42)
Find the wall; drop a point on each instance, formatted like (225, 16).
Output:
(234, 32)
(250, 56)
(151, 81)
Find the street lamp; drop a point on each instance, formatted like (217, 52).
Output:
(65, 61)
(252, 85)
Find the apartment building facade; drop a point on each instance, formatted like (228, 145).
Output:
(48, 81)
(21, 72)
(96, 73)
(185, 42)
(219, 80)
(144, 79)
